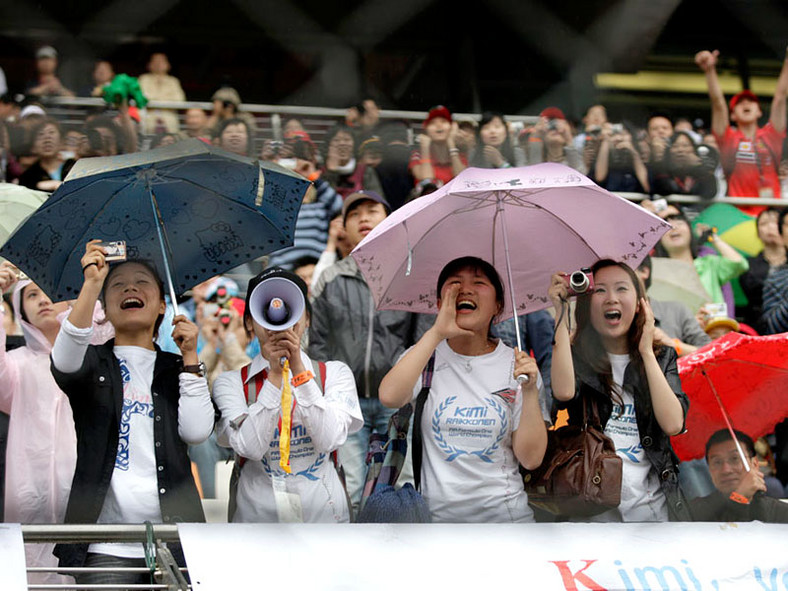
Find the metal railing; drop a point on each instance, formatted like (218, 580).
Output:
(695, 199)
(269, 119)
(167, 574)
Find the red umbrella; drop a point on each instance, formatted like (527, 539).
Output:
(736, 382)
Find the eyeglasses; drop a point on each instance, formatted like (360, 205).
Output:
(719, 463)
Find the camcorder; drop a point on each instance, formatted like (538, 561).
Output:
(579, 282)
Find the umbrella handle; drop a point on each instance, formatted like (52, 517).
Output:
(728, 424)
(164, 249)
(522, 378)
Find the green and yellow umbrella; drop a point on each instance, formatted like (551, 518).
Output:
(737, 229)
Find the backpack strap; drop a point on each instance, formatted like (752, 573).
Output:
(421, 399)
(249, 393)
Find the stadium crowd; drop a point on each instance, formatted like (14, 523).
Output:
(58, 445)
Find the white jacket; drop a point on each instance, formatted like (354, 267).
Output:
(321, 423)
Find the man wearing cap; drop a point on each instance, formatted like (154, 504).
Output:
(48, 84)
(226, 105)
(750, 154)
(347, 327)
(719, 326)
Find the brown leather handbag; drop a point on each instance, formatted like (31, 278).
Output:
(580, 475)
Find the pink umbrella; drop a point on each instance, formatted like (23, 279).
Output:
(528, 222)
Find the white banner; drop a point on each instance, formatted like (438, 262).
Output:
(437, 557)
(12, 558)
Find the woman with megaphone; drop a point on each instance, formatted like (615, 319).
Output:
(284, 414)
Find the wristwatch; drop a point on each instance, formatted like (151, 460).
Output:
(198, 369)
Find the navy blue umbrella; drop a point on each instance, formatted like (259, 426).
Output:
(193, 209)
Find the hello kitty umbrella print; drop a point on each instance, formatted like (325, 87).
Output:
(193, 209)
(528, 222)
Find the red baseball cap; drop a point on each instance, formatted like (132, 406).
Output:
(553, 113)
(298, 134)
(747, 95)
(439, 111)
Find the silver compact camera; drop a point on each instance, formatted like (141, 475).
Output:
(579, 282)
(114, 251)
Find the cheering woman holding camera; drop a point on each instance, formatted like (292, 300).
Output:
(290, 478)
(613, 362)
(135, 408)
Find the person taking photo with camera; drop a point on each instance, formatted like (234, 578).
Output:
(136, 410)
(612, 362)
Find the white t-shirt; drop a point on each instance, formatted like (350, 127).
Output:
(469, 471)
(133, 495)
(642, 498)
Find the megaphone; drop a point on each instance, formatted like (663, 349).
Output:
(276, 304)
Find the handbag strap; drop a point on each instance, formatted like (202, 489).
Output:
(421, 399)
(595, 420)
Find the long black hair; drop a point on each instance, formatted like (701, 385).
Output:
(587, 343)
(660, 250)
(506, 149)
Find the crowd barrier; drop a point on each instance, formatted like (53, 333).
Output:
(461, 557)
(167, 573)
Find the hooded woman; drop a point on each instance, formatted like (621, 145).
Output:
(42, 443)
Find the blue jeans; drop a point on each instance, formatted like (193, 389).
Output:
(694, 479)
(107, 578)
(353, 454)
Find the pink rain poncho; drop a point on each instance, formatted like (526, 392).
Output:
(42, 443)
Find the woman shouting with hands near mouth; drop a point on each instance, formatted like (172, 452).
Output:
(477, 421)
(612, 359)
(135, 408)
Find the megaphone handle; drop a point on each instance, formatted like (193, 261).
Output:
(523, 379)
(283, 360)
